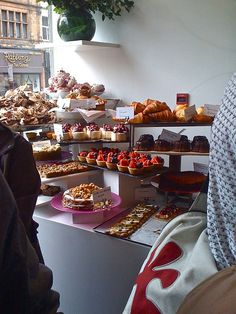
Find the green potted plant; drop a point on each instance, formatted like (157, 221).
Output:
(76, 21)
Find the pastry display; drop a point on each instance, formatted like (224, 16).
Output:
(183, 145)
(169, 212)
(52, 152)
(145, 142)
(181, 181)
(78, 132)
(79, 197)
(131, 222)
(200, 144)
(49, 190)
(22, 107)
(60, 169)
(120, 133)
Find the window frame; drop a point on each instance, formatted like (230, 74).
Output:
(23, 22)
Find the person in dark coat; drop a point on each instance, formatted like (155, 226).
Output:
(19, 169)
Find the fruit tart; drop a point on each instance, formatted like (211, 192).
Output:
(157, 161)
(135, 168)
(82, 156)
(148, 166)
(101, 160)
(123, 165)
(91, 158)
(111, 162)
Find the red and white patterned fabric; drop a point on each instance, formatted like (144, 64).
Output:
(179, 260)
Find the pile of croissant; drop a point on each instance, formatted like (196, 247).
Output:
(154, 110)
(150, 111)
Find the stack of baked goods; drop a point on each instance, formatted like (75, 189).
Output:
(151, 111)
(60, 169)
(44, 153)
(200, 116)
(23, 107)
(80, 197)
(132, 221)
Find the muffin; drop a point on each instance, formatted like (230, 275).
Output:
(162, 145)
(145, 142)
(183, 145)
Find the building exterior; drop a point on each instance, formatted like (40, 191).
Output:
(22, 25)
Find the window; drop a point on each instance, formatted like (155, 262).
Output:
(13, 24)
(45, 28)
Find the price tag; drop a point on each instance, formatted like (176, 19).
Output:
(58, 131)
(125, 112)
(82, 103)
(40, 144)
(169, 136)
(203, 168)
(147, 194)
(211, 110)
(102, 196)
(63, 103)
(189, 112)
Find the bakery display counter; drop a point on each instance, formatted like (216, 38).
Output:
(101, 269)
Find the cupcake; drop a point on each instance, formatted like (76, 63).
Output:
(66, 131)
(93, 131)
(91, 158)
(106, 131)
(78, 132)
(120, 133)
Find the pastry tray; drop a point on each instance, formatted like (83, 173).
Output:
(145, 235)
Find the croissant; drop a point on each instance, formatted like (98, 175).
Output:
(165, 115)
(138, 118)
(202, 118)
(138, 107)
(155, 107)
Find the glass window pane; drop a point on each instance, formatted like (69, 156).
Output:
(11, 29)
(24, 17)
(11, 16)
(45, 33)
(18, 32)
(44, 20)
(4, 14)
(24, 31)
(17, 16)
(4, 29)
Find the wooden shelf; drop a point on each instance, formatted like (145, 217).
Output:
(78, 45)
(169, 124)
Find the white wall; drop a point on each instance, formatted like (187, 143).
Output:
(167, 46)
